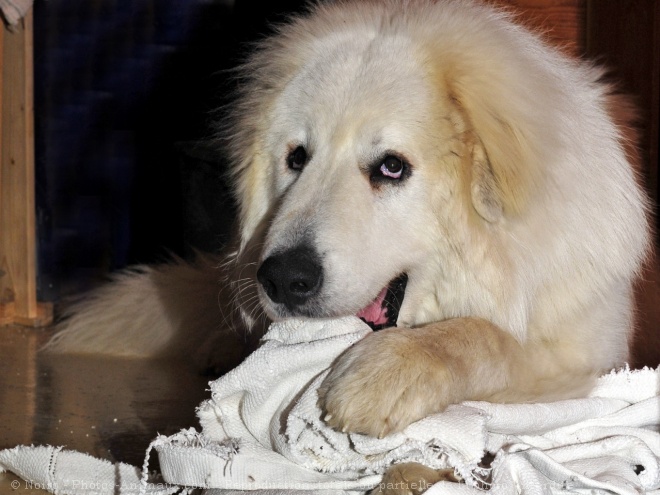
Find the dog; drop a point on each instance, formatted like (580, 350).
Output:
(439, 171)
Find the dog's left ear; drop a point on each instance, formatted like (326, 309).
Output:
(507, 120)
(484, 191)
(505, 162)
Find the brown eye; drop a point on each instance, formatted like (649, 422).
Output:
(392, 167)
(297, 158)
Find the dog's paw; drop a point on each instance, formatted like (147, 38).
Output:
(411, 478)
(384, 382)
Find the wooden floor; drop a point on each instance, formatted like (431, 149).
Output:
(112, 408)
(109, 408)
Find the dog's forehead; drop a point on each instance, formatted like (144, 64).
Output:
(353, 81)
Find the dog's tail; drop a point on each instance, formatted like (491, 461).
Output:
(174, 309)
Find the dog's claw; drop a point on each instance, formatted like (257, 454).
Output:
(327, 417)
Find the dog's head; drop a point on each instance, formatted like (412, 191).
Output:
(379, 142)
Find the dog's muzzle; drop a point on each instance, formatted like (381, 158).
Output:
(292, 277)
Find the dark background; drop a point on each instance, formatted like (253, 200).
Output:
(126, 94)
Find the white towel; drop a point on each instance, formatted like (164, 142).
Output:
(262, 430)
(268, 405)
(67, 472)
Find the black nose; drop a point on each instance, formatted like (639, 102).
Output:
(291, 277)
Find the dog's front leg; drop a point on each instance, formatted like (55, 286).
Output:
(396, 376)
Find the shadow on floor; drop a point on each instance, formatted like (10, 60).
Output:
(109, 408)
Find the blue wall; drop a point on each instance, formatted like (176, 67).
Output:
(125, 94)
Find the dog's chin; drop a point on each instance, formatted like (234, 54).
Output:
(381, 312)
(279, 312)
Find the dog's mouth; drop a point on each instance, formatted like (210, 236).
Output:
(383, 311)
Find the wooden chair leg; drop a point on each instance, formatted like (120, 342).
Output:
(18, 264)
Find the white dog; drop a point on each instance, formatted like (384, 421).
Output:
(424, 163)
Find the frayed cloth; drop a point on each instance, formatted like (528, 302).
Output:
(262, 431)
(61, 471)
(606, 442)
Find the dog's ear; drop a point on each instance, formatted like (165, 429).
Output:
(507, 118)
(505, 158)
(484, 190)
(261, 79)
(253, 196)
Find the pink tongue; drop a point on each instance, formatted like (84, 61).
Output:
(375, 313)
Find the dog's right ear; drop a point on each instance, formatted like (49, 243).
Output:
(252, 192)
(260, 80)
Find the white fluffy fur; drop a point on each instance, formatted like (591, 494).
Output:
(435, 81)
(170, 310)
(521, 209)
